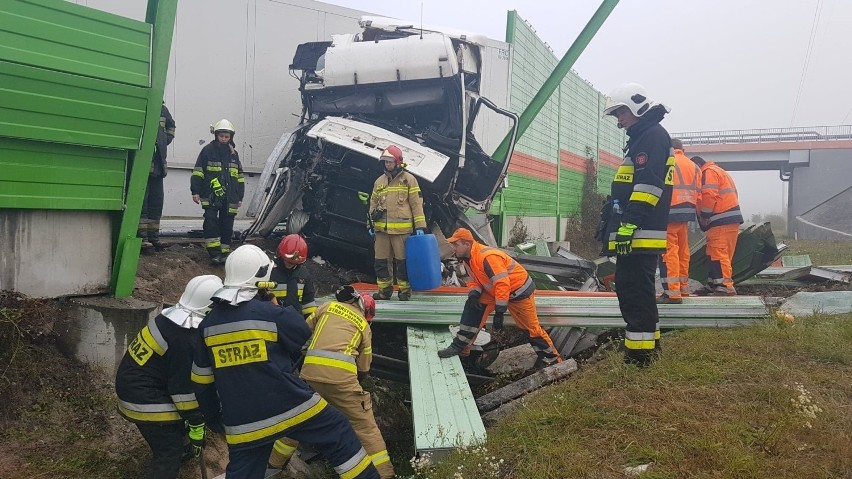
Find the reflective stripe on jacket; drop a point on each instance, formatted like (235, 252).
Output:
(295, 288)
(221, 163)
(643, 186)
(152, 382)
(687, 181)
(718, 203)
(402, 202)
(495, 273)
(244, 367)
(340, 346)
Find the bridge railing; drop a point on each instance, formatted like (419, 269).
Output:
(769, 135)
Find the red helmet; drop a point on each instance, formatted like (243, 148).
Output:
(293, 249)
(392, 153)
(369, 306)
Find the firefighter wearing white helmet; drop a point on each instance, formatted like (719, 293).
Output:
(242, 371)
(633, 223)
(396, 211)
(152, 383)
(217, 183)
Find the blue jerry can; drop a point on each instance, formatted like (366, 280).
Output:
(423, 261)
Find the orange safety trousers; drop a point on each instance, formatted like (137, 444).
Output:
(674, 269)
(526, 318)
(721, 244)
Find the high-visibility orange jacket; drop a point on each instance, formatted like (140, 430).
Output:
(341, 345)
(687, 181)
(718, 203)
(495, 273)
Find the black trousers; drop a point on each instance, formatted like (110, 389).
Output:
(152, 209)
(166, 443)
(634, 286)
(218, 228)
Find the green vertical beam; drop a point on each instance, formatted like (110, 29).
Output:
(161, 14)
(558, 74)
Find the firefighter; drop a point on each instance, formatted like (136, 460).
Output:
(294, 285)
(396, 210)
(218, 184)
(338, 358)
(152, 203)
(674, 263)
(636, 225)
(720, 218)
(498, 283)
(243, 373)
(152, 383)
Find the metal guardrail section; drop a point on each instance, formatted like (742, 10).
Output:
(445, 413)
(769, 135)
(695, 312)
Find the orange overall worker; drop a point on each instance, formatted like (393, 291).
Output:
(720, 218)
(674, 263)
(498, 284)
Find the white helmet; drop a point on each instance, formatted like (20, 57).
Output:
(199, 290)
(223, 125)
(632, 95)
(247, 265)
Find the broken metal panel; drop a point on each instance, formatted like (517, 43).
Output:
(756, 250)
(796, 261)
(445, 413)
(582, 311)
(821, 273)
(807, 303)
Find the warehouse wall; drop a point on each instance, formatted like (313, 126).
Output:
(551, 159)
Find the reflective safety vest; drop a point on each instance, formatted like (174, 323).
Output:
(718, 203)
(152, 382)
(495, 273)
(401, 202)
(245, 364)
(687, 181)
(341, 345)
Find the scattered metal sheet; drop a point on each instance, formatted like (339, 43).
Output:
(397, 370)
(595, 311)
(785, 273)
(796, 261)
(828, 274)
(445, 413)
(756, 250)
(525, 385)
(807, 303)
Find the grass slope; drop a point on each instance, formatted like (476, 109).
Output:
(771, 400)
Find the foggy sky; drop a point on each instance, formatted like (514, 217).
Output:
(719, 65)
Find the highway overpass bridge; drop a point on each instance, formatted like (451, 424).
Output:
(816, 161)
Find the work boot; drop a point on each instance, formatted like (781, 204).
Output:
(157, 245)
(448, 352)
(383, 294)
(404, 295)
(666, 299)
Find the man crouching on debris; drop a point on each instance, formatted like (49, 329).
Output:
(498, 284)
(243, 364)
(152, 383)
(337, 359)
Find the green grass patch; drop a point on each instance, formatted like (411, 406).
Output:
(769, 400)
(822, 252)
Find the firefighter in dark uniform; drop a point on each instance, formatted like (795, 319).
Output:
(294, 285)
(152, 383)
(152, 203)
(243, 372)
(217, 183)
(635, 229)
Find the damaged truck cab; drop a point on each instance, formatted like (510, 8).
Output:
(389, 84)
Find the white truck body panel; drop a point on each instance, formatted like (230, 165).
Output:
(348, 62)
(371, 140)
